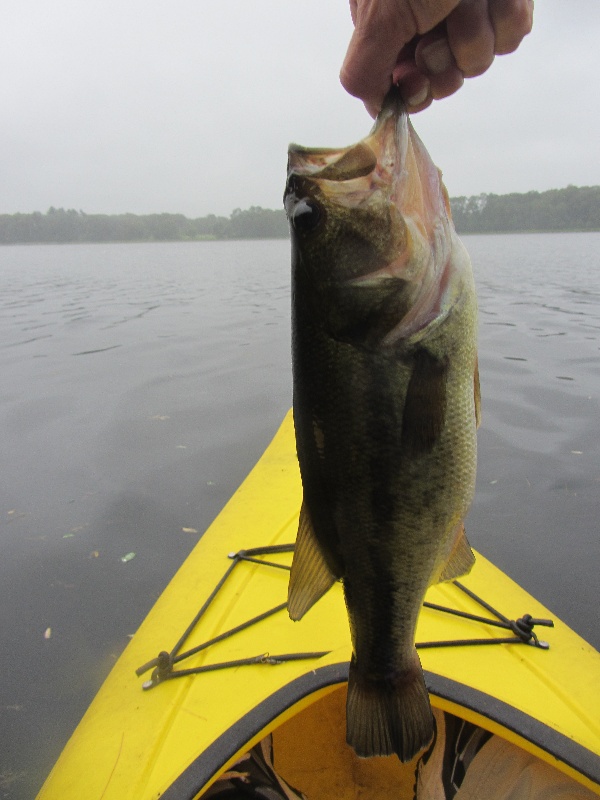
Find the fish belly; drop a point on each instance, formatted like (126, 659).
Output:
(385, 507)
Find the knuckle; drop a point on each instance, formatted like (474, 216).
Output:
(512, 20)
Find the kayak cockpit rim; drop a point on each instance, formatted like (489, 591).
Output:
(499, 717)
(476, 706)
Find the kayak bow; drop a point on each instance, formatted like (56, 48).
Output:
(223, 667)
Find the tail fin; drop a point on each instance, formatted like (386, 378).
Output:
(385, 717)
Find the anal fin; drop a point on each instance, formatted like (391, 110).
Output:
(461, 558)
(310, 577)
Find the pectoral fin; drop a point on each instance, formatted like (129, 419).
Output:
(460, 560)
(310, 577)
(425, 405)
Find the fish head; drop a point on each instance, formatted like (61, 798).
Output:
(371, 232)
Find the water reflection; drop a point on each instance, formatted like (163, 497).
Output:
(186, 375)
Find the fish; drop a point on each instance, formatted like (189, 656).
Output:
(386, 403)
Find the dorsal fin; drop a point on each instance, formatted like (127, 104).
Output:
(477, 393)
(310, 577)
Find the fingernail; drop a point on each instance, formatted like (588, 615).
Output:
(437, 57)
(419, 97)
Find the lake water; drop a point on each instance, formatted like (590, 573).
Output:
(141, 382)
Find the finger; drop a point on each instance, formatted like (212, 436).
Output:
(366, 73)
(414, 86)
(417, 94)
(512, 20)
(446, 84)
(429, 13)
(435, 60)
(433, 55)
(471, 37)
(382, 29)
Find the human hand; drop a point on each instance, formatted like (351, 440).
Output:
(428, 47)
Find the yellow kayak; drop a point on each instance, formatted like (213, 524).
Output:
(217, 668)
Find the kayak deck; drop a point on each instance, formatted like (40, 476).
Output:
(173, 740)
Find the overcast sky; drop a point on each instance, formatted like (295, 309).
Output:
(188, 106)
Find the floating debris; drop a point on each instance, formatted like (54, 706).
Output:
(127, 557)
(189, 530)
(99, 350)
(74, 530)
(47, 633)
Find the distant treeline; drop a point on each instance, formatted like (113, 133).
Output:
(571, 209)
(576, 208)
(60, 226)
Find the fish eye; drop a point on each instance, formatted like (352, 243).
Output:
(306, 216)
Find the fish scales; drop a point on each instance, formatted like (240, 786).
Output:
(385, 408)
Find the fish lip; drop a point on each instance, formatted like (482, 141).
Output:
(391, 146)
(393, 106)
(377, 163)
(308, 162)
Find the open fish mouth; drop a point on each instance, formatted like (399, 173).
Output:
(390, 176)
(377, 159)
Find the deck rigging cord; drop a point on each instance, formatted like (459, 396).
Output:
(162, 665)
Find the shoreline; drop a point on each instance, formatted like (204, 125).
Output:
(213, 239)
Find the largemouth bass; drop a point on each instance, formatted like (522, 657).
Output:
(386, 402)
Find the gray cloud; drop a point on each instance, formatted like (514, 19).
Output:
(189, 107)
